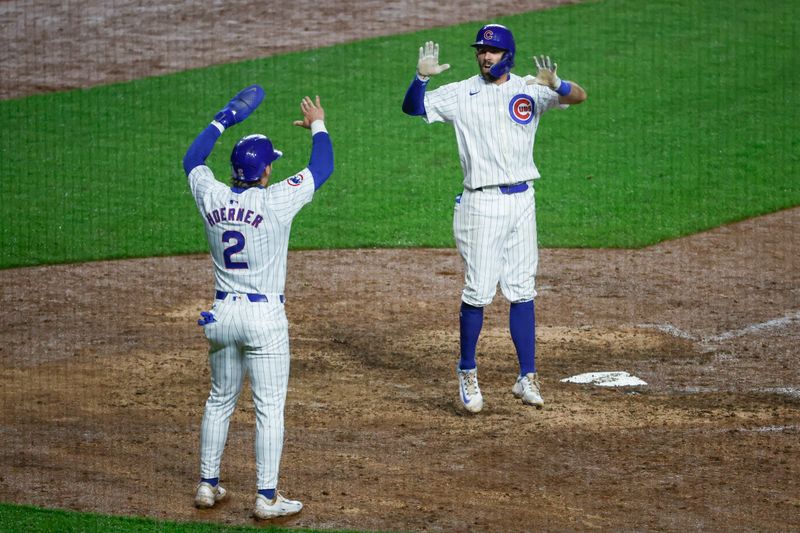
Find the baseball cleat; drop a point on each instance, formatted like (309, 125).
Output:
(469, 391)
(279, 506)
(207, 495)
(527, 389)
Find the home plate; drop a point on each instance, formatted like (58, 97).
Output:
(606, 379)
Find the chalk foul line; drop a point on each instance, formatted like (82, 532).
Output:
(774, 323)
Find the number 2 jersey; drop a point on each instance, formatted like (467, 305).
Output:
(248, 229)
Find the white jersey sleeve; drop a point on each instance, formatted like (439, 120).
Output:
(287, 197)
(201, 181)
(441, 105)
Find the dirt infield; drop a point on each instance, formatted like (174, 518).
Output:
(52, 45)
(106, 375)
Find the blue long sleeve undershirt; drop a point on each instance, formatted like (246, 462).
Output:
(321, 162)
(200, 149)
(414, 102)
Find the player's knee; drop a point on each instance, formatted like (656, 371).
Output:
(518, 294)
(476, 298)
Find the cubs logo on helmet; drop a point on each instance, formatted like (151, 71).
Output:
(521, 108)
(497, 36)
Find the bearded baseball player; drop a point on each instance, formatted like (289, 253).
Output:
(495, 115)
(247, 225)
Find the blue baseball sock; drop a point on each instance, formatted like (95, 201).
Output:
(471, 322)
(210, 480)
(522, 323)
(267, 493)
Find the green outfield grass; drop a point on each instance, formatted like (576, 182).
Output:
(23, 518)
(691, 123)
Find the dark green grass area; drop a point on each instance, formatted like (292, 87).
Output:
(27, 519)
(691, 123)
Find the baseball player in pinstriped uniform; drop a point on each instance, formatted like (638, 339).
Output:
(247, 226)
(495, 115)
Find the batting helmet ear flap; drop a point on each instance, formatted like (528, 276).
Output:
(505, 65)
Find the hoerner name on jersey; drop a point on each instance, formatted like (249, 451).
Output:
(233, 214)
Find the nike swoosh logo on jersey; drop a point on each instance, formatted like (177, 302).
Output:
(473, 92)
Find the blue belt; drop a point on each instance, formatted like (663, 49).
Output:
(221, 295)
(514, 189)
(509, 189)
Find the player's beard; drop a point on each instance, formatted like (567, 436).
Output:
(485, 68)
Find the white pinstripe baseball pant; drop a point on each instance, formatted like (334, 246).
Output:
(247, 338)
(495, 234)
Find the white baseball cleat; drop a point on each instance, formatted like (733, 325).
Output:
(469, 391)
(527, 389)
(207, 495)
(280, 506)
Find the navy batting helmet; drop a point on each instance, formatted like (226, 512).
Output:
(250, 156)
(498, 36)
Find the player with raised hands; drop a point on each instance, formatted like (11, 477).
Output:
(495, 114)
(247, 224)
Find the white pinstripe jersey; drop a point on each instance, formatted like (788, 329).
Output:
(495, 126)
(248, 232)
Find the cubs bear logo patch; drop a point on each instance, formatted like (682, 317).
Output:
(294, 181)
(521, 108)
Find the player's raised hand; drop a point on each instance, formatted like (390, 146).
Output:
(239, 108)
(546, 73)
(312, 110)
(428, 64)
